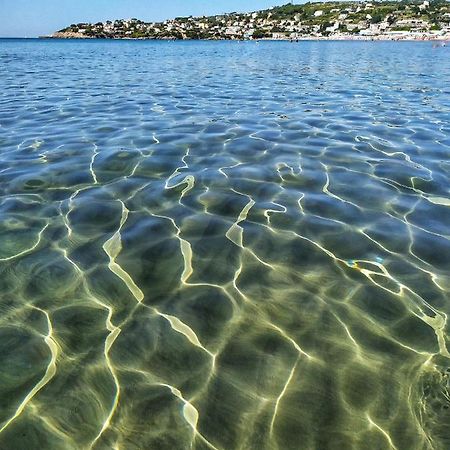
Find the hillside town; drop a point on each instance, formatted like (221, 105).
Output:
(421, 20)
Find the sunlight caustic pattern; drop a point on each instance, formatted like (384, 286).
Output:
(259, 260)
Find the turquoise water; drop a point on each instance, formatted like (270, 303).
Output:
(224, 245)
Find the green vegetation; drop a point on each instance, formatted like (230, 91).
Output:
(401, 28)
(260, 34)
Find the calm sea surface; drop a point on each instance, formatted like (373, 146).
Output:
(224, 245)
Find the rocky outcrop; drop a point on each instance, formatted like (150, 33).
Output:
(69, 35)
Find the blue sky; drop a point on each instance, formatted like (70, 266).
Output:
(30, 18)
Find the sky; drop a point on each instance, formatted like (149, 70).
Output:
(32, 18)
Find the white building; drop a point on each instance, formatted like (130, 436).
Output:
(413, 23)
(333, 28)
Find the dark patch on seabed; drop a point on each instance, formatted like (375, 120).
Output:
(224, 246)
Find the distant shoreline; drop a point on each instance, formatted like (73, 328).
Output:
(383, 38)
(385, 20)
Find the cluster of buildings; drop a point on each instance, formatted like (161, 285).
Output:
(332, 20)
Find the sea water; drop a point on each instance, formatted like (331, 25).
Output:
(224, 245)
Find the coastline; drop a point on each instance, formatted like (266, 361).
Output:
(382, 37)
(386, 20)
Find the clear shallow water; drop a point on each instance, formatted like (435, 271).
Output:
(224, 245)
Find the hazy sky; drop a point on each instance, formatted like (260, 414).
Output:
(29, 18)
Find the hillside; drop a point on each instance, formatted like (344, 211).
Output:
(332, 20)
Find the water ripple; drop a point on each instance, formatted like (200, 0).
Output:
(224, 245)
